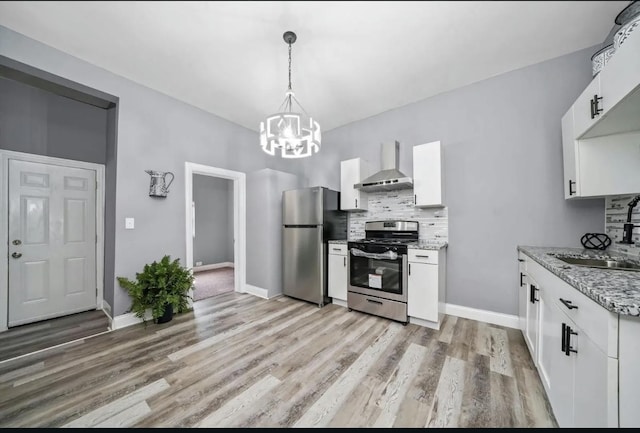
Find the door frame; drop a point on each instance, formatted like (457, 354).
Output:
(5, 156)
(239, 217)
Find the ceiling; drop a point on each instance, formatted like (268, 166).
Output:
(352, 60)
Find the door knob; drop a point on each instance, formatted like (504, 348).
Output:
(16, 255)
(17, 242)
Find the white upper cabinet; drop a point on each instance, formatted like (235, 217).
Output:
(620, 90)
(588, 108)
(601, 130)
(428, 175)
(352, 171)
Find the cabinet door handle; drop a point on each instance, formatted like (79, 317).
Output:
(567, 344)
(521, 260)
(568, 304)
(571, 191)
(345, 262)
(595, 110)
(564, 337)
(409, 268)
(532, 294)
(415, 199)
(356, 203)
(521, 277)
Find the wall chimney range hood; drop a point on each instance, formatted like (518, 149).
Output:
(389, 178)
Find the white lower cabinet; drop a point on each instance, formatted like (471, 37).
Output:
(426, 285)
(338, 274)
(573, 369)
(522, 292)
(532, 323)
(576, 352)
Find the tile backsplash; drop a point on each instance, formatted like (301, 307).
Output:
(398, 205)
(616, 210)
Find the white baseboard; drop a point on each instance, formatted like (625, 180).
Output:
(507, 320)
(425, 323)
(213, 266)
(128, 319)
(339, 302)
(257, 291)
(106, 309)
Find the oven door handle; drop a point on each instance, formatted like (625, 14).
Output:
(387, 255)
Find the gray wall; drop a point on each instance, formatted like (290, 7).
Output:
(503, 171)
(39, 122)
(155, 132)
(264, 225)
(214, 229)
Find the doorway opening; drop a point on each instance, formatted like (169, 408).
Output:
(212, 236)
(215, 229)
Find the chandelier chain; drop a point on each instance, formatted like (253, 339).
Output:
(289, 65)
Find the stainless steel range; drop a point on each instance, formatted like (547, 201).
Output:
(378, 269)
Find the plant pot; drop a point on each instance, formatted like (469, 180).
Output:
(168, 314)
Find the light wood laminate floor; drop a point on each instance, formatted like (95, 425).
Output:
(241, 361)
(32, 337)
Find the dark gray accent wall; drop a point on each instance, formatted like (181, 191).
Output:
(155, 132)
(111, 172)
(213, 242)
(40, 122)
(503, 173)
(40, 115)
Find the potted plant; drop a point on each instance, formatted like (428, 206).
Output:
(163, 287)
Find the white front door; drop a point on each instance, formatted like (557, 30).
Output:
(52, 241)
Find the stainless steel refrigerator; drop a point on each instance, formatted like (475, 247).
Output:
(310, 218)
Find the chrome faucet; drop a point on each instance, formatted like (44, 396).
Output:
(627, 231)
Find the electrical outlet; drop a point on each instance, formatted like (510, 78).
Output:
(129, 223)
(198, 263)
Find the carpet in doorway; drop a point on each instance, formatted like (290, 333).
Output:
(212, 282)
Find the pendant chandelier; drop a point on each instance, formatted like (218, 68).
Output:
(289, 133)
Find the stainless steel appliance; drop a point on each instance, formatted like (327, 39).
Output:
(378, 269)
(310, 218)
(390, 177)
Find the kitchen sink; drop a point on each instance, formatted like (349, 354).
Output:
(601, 263)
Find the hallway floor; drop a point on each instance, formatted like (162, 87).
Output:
(213, 282)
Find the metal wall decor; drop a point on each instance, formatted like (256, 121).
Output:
(159, 187)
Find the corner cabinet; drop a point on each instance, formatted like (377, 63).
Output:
(601, 130)
(353, 171)
(586, 355)
(426, 286)
(428, 175)
(338, 275)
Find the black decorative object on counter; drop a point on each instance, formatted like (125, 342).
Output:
(595, 241)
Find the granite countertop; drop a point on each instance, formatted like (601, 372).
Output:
(616, 290)
(431, 244)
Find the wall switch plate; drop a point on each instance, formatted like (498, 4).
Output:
(129, 223)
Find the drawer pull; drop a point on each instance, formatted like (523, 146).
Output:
(568, 304)
(521, 260)
(336, 249)
(374, 302)
(423, 257)
(567, 340)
